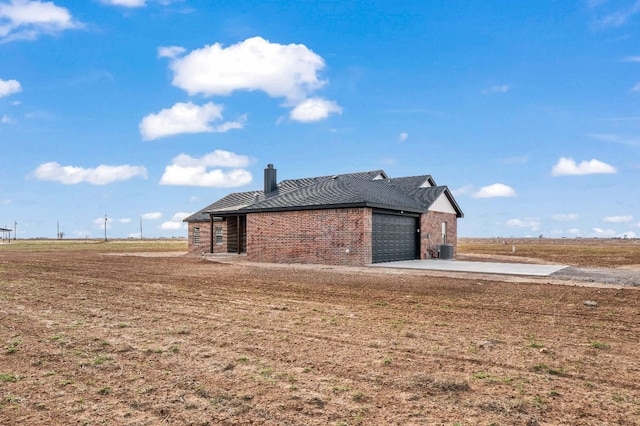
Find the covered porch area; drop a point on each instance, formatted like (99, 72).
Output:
(5, 235)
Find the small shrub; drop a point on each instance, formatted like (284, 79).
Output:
(8, 377)
(100, 360)
(541, 367)
(358, 396)
(13, 347)
(481, 375)
(618, 398)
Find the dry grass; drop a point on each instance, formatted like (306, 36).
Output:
(114, 245)
(601, 253)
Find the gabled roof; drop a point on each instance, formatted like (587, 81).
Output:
(339, 191)
(414, 194)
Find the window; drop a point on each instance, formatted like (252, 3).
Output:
(218, 234)
(196, 235)
(444, 232)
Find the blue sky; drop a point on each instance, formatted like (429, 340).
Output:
(152, 109)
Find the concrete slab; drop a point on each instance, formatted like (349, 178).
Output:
(480, 267)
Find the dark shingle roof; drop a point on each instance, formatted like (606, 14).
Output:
(341, 190)
(231, 202)
(370, 189)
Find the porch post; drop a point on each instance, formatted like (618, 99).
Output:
(239, 249)
(211, 233)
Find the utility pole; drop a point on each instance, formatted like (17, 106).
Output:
(140, 227)
(15, 230)
(58, 232)
(105, 227)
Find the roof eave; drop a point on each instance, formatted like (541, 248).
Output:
(358, 204)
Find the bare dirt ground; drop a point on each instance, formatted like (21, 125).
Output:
(89, 337)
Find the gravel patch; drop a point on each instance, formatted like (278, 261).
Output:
(606, 276)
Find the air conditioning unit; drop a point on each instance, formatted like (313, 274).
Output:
(445, 251)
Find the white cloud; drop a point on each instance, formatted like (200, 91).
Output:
(613, 138)
(466, 189)
(7, 202)
(628, 234)
(530, 222)
(175, 223)
(172, 226)
(635, 88)
(568, 167)
(198, 176)
(314, 109)
(189, 171)
(565, 217)
(185, 118)
(217, 158)
(101, 175)
(618, 219)
(495, 190)
(99, 223)
(124, 220)
(180, 216)
(9, 87)
(6, 119)
(26, 20)
(496, 89)
(403, 136)
(287, 71)
(125, 3)
(151, 216)
(170, 51)
(575, 232)
(631, 59)
(281, 71)
(618, 17)
(602, 233)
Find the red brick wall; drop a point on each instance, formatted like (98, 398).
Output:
(205, 237)
(205, 241)
(332, 236)
(431, 225)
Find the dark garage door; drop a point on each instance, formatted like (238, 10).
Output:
(393, 238)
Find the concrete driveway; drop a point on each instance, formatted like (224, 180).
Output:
(480, 267)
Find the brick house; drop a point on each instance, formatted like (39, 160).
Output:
(348, 219)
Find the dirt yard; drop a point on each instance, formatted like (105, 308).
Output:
(102, 333)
